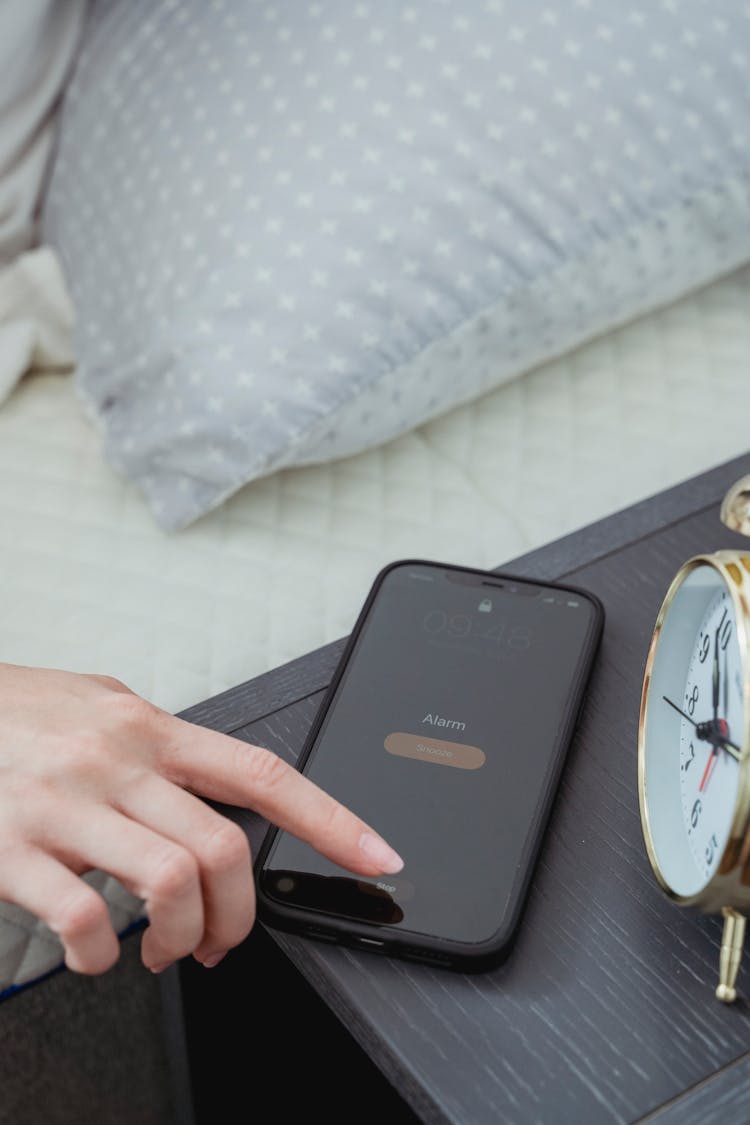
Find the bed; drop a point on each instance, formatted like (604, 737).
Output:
(90, 582)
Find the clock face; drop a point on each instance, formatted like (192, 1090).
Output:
(708, 771)
(694, 729)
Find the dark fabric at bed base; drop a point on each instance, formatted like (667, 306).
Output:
(100, 1049)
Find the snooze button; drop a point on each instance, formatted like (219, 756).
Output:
(425, 749)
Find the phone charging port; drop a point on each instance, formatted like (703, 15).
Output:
(371, 941)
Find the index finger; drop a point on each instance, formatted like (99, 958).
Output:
(239, 773)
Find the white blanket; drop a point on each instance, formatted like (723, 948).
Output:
(36, 318)
(39, 40)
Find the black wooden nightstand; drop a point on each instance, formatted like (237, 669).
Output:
(605, 1011)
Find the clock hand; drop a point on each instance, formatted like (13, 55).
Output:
(725, 685)
(715, 676)
(709, 768)
(707, 731)
(715, 700)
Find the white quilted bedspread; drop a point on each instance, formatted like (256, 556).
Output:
(90, 584)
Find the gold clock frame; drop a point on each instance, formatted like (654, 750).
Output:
(728, 890)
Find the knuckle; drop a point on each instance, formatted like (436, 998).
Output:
(225, 849)
(132, 711)
(174, 874)
(264, 770)
(80, 916)
(110, 682)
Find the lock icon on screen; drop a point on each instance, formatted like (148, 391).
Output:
(485, 606)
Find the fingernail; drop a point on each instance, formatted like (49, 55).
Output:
(213, 960)
(380, 853)
(161, 968)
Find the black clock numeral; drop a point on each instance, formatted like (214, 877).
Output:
(690, 759)
(725, 635)
(692, 699)
(695, 814)
(705, 648)
(711, 847)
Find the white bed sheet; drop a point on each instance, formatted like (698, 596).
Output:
(90, 584)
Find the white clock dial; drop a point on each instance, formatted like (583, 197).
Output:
(694, 730)
(708, 772)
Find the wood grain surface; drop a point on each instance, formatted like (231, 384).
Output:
(605, 1011)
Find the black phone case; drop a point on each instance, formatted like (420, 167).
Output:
(412, 946)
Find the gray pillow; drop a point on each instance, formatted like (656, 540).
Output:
(295, 231)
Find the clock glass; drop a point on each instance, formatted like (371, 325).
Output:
(693, 729)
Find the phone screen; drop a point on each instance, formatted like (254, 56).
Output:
(443, 732)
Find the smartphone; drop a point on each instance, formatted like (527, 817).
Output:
(445, 727)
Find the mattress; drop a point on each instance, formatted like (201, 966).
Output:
(90, 584)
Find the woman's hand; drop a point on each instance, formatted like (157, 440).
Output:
(93, 776)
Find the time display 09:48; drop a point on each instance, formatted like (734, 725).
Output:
(465, 625)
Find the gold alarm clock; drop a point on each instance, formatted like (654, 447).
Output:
(694, 738)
